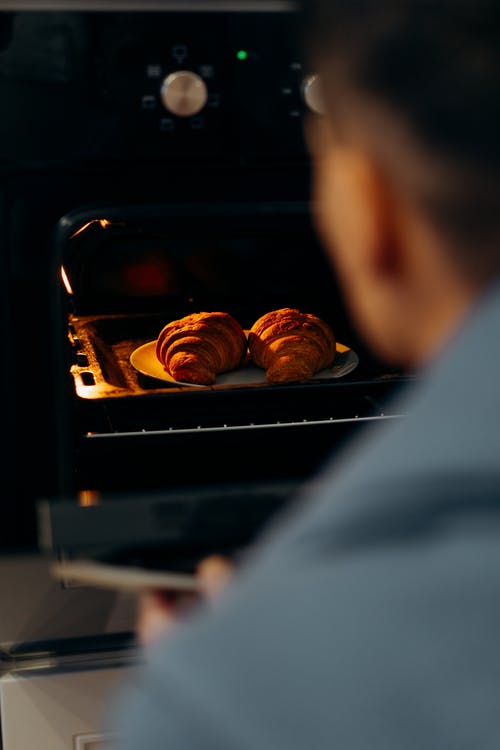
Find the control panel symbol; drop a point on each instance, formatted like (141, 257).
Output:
(179, 53)
(213, 100)
(206, 71)
(167, 125)
(153, 70)
(197, 123)
(184, 93)
(148, 101)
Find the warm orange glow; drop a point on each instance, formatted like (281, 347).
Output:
(82, 229)
(86, 498)
(66, 281)
(104, 223)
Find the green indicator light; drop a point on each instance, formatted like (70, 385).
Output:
(242, 54)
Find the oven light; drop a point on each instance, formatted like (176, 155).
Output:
(65, 281)
(88, 498)
(82, 229)
(104, 223)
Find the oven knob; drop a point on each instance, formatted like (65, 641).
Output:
(311, 93)
(184, 93)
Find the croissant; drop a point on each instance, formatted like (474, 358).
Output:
(194, 349)
(290, 345)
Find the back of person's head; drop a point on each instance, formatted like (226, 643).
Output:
(433, 66)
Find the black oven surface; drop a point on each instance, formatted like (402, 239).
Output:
(118, 213)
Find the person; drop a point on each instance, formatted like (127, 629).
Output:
(367, 615)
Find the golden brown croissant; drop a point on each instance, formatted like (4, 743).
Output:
(290, 345)
(194, 349)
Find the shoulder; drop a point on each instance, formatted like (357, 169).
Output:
(300, 647)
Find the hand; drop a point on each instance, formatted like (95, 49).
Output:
(159, 611)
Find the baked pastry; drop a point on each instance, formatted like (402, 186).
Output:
(194, 349)
(291, 346)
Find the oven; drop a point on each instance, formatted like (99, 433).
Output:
(153, 165)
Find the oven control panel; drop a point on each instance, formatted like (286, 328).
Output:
(227, 84)
(158, 85)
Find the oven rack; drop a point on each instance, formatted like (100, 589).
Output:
(236, 427)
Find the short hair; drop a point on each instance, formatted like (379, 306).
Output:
(436, 65)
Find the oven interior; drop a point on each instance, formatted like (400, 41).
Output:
(241, 448)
